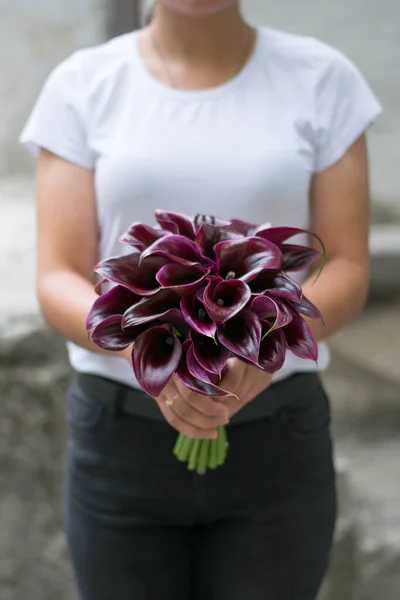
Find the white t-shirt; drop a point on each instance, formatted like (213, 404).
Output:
(246, 149)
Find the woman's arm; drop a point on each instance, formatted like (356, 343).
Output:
(340, 216)
(67, 235)
(67, 255)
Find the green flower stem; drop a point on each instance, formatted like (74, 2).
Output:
(203, 457)
(178, 445)
(221, 452)
(225, 442)
(185, 449)
(213, 458)
(194, 453)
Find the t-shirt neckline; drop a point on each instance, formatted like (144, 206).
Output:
(195, 95)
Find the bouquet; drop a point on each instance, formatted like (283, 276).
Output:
(195, 292)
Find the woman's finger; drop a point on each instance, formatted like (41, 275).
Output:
(183, 426)
(205, 405)
(194, 417)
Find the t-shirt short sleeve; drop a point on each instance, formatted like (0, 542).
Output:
(57, 122)
(345, 107)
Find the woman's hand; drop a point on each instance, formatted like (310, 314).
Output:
(194, 415)
(245, 381)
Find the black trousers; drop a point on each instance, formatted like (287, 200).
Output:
(142, 527)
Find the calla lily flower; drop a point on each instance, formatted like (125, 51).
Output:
(245, 258)
(141, 236)
(224, 299)
(210, 354)
(196, 315)
(132, 272)
(242, 335)
(114, 302)
(175, 223)
(155, 357)
(193, 382)
(150, 308)
(109, 334)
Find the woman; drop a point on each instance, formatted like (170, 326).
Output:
(199, 113)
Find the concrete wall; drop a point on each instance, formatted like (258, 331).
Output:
(35, 35)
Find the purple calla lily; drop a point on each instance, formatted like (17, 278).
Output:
(150, 308)
(211, 355)
(300, 340)
(142, 236)
(306, 308)
(245, 258)
(193, 383)
(177, 249)
(114, 302)
(272, 351)
(132, 272)
(243, 227)
(297, 258)
(155, 357)
(242, 335)
(175, 223)
(196, 315)
(224, 299)
(208, 235)
(197, 370)
(183, 279)
(282, 286)
(109, 334)
(271, 310)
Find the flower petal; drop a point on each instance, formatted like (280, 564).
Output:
(196, 315)
(155, 358)
(183, 279)
(114, 302)
(175, 223)
(224, 299)
(150, 308)
(197, 370)
(109, 334)
(175, 318)
(242, 335)
(196, 385)
(177, 249)
(141, 235)
(245, 258)
(208, 353)
(274, 311)
(284, 287)
(243, 227)
(208, 235)
(272, 352)
(305, 307)
(300, 339)
(130, 272)
(278, 235)
(199, 220)
(297, 258)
